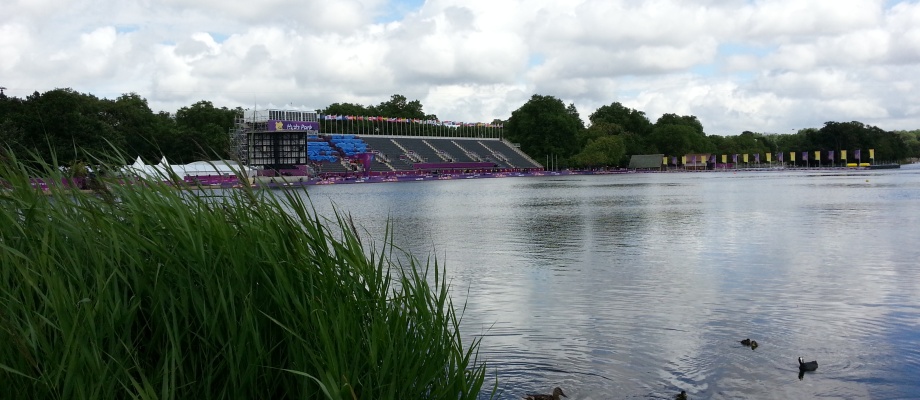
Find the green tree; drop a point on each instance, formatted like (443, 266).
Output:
(346, 109)
(631, 120)
(203, 131)
(604, 151)
(911, 140)
(858, 136)
(63, 123)
(544, 127)
(677, 135)
(686, 120)
(673, 140)
(146, 134)
(399, 107)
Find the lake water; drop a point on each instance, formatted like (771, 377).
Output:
(641, 285)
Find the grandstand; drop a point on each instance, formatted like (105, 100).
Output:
(281, 142)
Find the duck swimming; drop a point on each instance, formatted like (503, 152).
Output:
(746, 342)
(681, 396)
(555, 396)
(753, 344)
(807, 366)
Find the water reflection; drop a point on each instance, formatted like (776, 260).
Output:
(640, 285)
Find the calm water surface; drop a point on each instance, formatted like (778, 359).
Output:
(641, 285)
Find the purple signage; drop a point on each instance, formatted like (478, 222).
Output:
(278, 125)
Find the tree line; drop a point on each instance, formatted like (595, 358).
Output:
(65, 124)
(546, 128)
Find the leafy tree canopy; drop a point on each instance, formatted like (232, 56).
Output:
(545, 126)
(605, 151)
(631, 120)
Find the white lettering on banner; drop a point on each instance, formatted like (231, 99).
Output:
(295, 127)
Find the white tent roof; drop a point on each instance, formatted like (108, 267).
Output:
(197, 168)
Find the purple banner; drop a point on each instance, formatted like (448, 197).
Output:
(278, 125)
(858, 158)
(757, 158)
(830, 155)
(779, 156)
(804, 156)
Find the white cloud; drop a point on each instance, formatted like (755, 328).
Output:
(767, 65)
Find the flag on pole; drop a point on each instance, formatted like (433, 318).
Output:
(779, 157)
(757, 158)
(843, 155)
(804, 156)
(872, 154)
(817, 155)
(683, 160)
(745, 158)
(735, 158)
(724, 158)
(791, 156)
(830, 155)
(857, 155)
(664, 160)
(769, 157)
(674, 160)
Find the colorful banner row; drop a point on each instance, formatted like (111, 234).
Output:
(779, 157)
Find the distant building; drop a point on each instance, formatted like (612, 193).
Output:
(646, 162)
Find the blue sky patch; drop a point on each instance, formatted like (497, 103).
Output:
(397, 10)
(733, 49)
(219, 37)
(122, 29)
(535, 60)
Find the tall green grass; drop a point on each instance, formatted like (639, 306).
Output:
(145, 291)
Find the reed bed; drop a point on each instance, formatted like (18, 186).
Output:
(149, 292)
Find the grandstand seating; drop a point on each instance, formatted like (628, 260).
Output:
(390, 150)
(508, 154)
(399, 153)
(319, 150)
(349, 145)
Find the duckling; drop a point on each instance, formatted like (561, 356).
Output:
(807, 366)
(555, 396)
(681, 396)
(754, 344)
(746, 342)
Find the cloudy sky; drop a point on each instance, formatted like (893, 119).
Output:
(759, 65)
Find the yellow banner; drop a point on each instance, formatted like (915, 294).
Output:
(745, 158)
(872, 153)
(724, 158)
(843, 154)
(791, 156)
(683, 160)
(664, 160)
(817, 155)
(769, 157)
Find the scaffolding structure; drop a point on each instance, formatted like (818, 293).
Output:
(273, 139)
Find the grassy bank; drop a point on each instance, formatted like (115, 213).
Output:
(150, 292)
